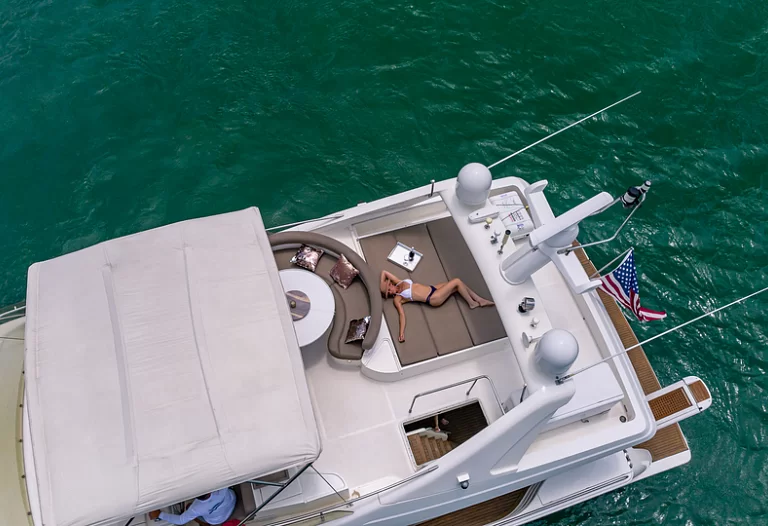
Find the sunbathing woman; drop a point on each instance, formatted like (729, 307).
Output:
(406, 290)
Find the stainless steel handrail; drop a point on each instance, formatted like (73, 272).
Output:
(347, 504)
(13, 312)
(305, 221)
(523, 515)
(569, 249)
(474, 380)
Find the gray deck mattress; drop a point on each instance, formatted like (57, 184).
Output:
(435, 331)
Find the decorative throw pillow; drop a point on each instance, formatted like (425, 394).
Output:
(307, 257)
(357, 330)
(343, 272)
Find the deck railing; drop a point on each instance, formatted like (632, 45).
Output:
(348, 503)
(473, 380)
(13, 312)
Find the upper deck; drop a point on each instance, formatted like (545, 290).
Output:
(361, 408)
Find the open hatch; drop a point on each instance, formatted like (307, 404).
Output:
(433, 436)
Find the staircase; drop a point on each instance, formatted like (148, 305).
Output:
(427, 445)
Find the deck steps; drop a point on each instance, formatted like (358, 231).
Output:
(682, 399)
(669, 404)
(456, 426)
(700, 392)
(427, 448)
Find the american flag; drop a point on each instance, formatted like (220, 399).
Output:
(622, 285)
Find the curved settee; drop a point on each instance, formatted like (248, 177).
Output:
(358, 300)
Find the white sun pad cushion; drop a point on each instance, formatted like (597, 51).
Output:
(161, 366)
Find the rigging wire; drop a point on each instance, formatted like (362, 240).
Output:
(563, 129)
(561, 379)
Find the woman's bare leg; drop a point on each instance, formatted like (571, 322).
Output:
(446, 290)
(479, 299)
(443, 291)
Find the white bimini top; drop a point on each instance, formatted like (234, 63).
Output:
(160, 366)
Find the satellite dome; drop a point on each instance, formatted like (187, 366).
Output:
(556, 352)
(474, 184)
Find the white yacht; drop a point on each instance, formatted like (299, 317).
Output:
(150, 369)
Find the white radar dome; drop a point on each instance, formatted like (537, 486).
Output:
(474, 184)
(556, 352)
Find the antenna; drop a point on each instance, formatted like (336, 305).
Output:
(562, 379)
(562, 130)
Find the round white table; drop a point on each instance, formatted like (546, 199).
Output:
(306, 290)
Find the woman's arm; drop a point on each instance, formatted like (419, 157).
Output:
(401, 312)
(389, 276)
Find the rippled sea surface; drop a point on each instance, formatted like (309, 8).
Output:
(118, 116)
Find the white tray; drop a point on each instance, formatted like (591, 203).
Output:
(399, 256)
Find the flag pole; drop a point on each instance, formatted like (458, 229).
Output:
(561, 379)
(598, 271)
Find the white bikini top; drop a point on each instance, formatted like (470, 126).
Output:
(406, 293)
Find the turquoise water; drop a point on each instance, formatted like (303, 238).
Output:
(118, 116)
